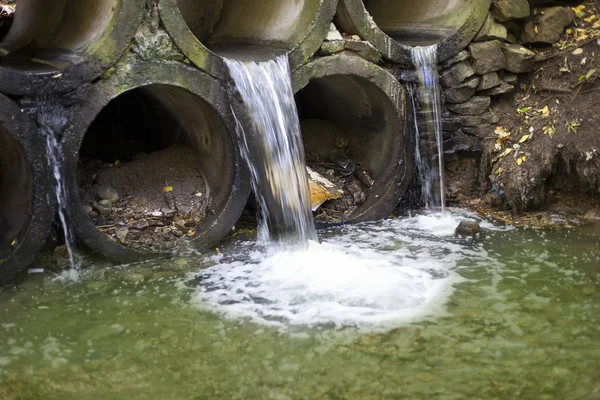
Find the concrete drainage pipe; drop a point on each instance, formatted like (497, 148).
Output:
(392, 26)
(153, 164)
(208, 30)
(355, 112)
(26, 203)
(56, 45)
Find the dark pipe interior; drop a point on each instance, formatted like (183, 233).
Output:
(359, 111)
(45, 33)
(16, 192)
(227, 25)
(154, 117)
(422, 22)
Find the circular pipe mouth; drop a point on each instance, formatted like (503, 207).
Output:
(158, 169)
(247, 29)
(394, 25)
(55, 37)
(16, 186)
(354, 109)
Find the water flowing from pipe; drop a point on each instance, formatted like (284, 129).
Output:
(428, 127)
(274, 151)
(50, 121)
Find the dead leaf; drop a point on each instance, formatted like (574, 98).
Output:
(168, 189)
(524, 138)
(577, 51)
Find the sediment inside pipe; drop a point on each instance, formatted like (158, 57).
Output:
(45, 35)
(349, 130)
(249, 28)
(16, 192)
(155, 164)
(422, 22)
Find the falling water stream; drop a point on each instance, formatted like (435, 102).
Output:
(428, 127)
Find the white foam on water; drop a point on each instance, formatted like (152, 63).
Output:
(353, 278)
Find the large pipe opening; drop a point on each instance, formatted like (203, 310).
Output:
(346, 117)
(16, 193)
(238, 27)
(156, 167)
(47, 35)
(419, 23)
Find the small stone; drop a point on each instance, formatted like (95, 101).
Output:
(467, 228)
(518, 58)
(476, 120)
(134, 278)
(364, 49)
(333, 33)
(355, 37)
(357, 193)
(505, 88)
(510, 78)
(480, 131)
(549, 26)
(476, 105)
(182, 262)
(461, 93)
(487, 56)
(107, 192)
(489, 81)
(592, 216)
(328, 48)
(104, 207)
(462, 55)
(491, 30)
(505, 10)
(457, 74)
(87, 209)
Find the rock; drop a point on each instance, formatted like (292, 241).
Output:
(333, 33)
(459, 141)
(487, 56)
(457, 74)
(357, 193)
(549, 26)
(489, 81)
(107, 192)
(451, 124)
(134, 277)
(592, 216)
(506, 10)
(491, 30)
(321, 189)
(87, 209)
(505, 88)
(510, 77)
(364, 49)
(480, 131)
(467, 228)
(462, 55)
(462, 92)
(470, 120)
(476, 105)
(518, 58)
(104, 207)
(328, 48)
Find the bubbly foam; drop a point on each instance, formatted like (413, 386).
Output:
(376, 274)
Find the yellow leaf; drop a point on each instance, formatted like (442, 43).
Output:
(519, 161)
(596, 25)
(56, 76)
(590, 18)
(545, 111)
(535, 29)
(569, 31)
(582, 36)
(13, 243)
(524, 138)
(524, 158)
(191, 233)
(168, 189)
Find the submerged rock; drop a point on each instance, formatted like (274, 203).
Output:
(467, 228)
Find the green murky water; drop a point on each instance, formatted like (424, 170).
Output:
(522, 322)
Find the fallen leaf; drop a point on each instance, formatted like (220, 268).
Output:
(577, 51)
(191, 233)
(545, 111)
(13, 243)
(519, 161)
(523, 110)
(56, 76)
(524, 138)
(168, 189)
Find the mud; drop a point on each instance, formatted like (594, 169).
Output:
(163, 196)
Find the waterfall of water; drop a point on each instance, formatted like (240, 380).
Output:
(428, 126)
(51, 121)
(274, 151)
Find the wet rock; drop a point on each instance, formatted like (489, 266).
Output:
(510, 78)
(592, 216)
(476, 105)
(467, 228)
(480, 131)
(487, 56)
(470, 120)
(104, 207)
(460, 142)
(504, 88)
(451, 124)
(87, 209)
(549, 26)
(134, 278)
(457, 74)
(107, 192)
(505, 10)
(463, 55)
(489, 81)
(462, 92)
(518, 58)
(491, 30)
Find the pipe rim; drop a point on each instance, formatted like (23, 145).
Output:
(43, 203)
(395, 51)
(86, 62)
(212, 63)
(135, 76)
(350, 64)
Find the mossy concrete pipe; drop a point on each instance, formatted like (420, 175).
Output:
(56, 45)
(186, 103)
(27, 206)
(368, 105)
(206, 31)
(393, 26)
